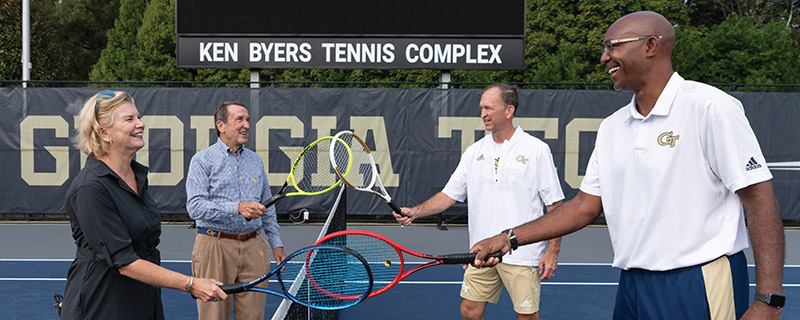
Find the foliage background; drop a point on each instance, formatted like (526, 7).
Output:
(736, 41)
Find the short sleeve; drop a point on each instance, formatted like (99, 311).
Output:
(591, 181)
(102, 226)
(456, 187)
(549, 185)
(732, 148)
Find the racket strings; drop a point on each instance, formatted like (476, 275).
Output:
(341, 155)
(386, 263)
(329, 278)
(362, 173)
(313, 172)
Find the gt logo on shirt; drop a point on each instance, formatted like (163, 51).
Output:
(522, 159)
(667, 139)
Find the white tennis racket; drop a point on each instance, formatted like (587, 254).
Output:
(363, 175)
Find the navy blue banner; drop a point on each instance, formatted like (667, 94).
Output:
(417, 136)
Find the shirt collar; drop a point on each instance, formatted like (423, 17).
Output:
(664, 102)
(514, 137)
(99, 168)
(517, 134)
(222, 147)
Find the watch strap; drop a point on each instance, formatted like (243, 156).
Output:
(771, 299)
(512, 239)
(189, 287)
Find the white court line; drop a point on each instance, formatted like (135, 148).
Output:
(35, 260)
(33, 279)
(407, 262)
(545, 283)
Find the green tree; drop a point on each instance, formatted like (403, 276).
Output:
(118, 61)
(141, 47)
(357, 75)
(562, 45)
(708, 13)
(80, 33)
(739, 51)
(563, 37)
(45, 58)
(155, 47)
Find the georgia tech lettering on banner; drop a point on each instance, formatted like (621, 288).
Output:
(203, 126)
(418, 135)
(350, 53)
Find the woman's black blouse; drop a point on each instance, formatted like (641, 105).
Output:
(112, 227)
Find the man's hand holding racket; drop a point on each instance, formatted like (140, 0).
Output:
(251, 210)
(279, 254)
(409, 214)
(485, 247)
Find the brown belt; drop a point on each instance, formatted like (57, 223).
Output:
(226, 235)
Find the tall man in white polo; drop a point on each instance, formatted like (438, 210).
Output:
(672, 171)
(509, 178)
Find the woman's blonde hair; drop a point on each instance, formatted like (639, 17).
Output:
(95, 115)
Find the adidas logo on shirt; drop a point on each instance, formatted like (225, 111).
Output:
(525, 304)
(480, 158)
(752, 165)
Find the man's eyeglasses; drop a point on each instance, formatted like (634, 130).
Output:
(608, 45)
(101, 95)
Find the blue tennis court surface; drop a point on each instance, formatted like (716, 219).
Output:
(578, 291)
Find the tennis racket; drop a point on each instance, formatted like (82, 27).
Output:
(311, 172)
(330, 278)
(365, 177)
(386, 259)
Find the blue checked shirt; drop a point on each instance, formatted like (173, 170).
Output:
(218, 180)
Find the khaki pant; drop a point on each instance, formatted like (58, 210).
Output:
(486, 285)
(232, 261)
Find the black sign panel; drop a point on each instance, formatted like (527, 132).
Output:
(313, 34)
(442, 18)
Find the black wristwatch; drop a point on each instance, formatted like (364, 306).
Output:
(772, 299)
(512, 238)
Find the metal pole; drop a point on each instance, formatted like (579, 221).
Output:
(444, 79)
(26, 42)
(255, 78)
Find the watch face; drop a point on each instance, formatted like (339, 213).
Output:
(777, 300)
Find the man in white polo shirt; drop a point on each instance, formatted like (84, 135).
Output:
(509, 178)
(672, 171)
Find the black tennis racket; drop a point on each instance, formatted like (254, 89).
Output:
(386, 259)
(326, 277)
(360, 172)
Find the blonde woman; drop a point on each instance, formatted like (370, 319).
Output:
(115, 223)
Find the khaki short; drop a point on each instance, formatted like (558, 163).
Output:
(486, 285)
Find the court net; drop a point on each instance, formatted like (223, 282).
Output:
(287, 310)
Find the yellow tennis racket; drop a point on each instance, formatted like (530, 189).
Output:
(312, 173)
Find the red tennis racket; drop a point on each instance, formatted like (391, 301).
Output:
(386, 259)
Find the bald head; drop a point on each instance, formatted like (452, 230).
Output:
(645, 23)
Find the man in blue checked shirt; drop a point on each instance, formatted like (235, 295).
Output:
(225, 186)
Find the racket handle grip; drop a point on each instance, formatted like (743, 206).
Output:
(270, 201)
(467, 258)
(232, 288)
(395, 208)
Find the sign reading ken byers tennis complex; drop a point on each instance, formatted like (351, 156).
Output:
(409, 34)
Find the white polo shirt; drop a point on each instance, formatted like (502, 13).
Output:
(525, 181)
(668, 180)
